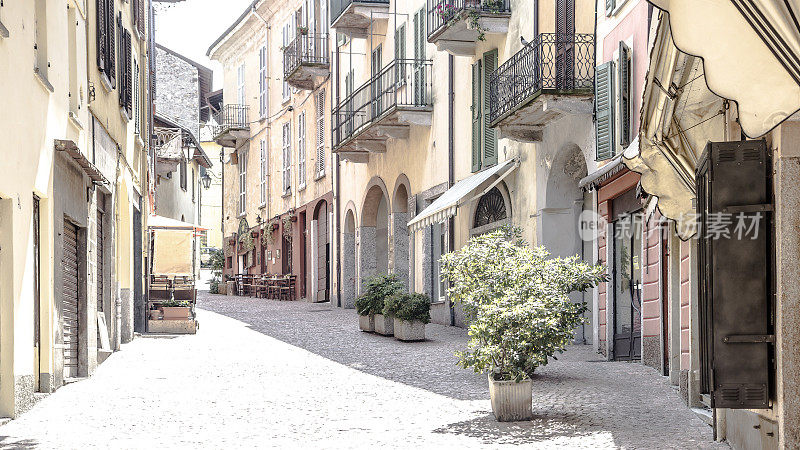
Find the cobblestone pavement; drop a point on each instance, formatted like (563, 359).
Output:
(295, 375)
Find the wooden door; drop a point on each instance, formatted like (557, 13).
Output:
(323, 254)
(565, 44)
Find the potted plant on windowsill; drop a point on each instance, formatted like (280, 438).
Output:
(176, 310)
(410, 313)
(369, 304)
(516, 300)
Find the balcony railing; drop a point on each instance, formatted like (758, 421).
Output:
(339, 6)
(232, 117)
(402, 84)
(305, 49)
(554, 63)
(442, 12)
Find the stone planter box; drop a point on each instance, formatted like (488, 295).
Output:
(366, 323)
(406, 330)
(230, 288)
(384, 325)
(155, 314)
(511, 402)
(176, 312)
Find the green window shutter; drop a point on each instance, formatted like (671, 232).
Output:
(624, 94)
(604, 110)
(610, 5)
(419, 57)
(477, 117)
(489, 134)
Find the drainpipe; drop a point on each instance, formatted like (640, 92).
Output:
(451, 171)
(338, 218)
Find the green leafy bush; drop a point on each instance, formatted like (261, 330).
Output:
(408, 307)
(376, 290)
(516, 299)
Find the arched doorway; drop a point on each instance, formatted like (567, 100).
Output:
(400, 241)
(560, 218)
(348, 260)
(320, 253)
(374, 233)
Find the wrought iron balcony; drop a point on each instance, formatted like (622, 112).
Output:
(455, 26)
(354, 17)
(548, 78)
(233, 126)
(382, 108)
(306, 61)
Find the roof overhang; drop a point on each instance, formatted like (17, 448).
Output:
(447, 204)
(70, 149)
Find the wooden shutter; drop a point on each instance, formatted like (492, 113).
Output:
(477, 117)
(610, 5)
(102, 38)
(734, 302)
(135, 12)
(142, 17)
(489, 134)
(321, 132)
(419, 57)
(604, 110)
(624, 94)
(123, 68)
(111, 44)
(128, 46)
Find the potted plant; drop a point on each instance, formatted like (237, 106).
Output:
(370, 303)
(516, 300)
(410, 313)
(302, 30)
(176, 310)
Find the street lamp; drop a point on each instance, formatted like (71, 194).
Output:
(206, 180)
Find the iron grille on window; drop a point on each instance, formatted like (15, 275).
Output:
(561, 63)
(442, 12)
(381, 94)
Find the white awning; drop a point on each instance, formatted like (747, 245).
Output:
(161, 222)
(750, 51)
(447, 205)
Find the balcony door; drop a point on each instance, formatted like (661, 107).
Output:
(565, 44)
(377, 82)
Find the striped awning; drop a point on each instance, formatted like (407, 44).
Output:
(447, 205)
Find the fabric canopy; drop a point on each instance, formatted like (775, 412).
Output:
(676, 124)
(750, 51)
(172, 252)
(447, 205)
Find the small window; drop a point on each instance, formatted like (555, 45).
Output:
(40, 38)
(242, 180)
(183, 174)
(491, 209)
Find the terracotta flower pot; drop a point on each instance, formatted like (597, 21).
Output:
(511, 401)
(176, 312)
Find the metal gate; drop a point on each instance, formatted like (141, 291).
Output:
(100, 264)
(69, 299)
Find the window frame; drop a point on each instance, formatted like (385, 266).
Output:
(242, 163)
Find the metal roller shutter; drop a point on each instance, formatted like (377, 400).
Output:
(69, 299)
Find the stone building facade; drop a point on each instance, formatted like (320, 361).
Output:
(71, 203)
(273, 122)
(450, 127)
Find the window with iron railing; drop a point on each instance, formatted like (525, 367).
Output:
(384, 92)
(558, 63)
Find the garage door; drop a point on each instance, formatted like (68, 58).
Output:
(69, 299)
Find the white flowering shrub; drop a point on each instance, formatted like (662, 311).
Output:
(516, 299)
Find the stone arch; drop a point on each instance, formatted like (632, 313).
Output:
(348, 259)
(374, 231)
(560, 217)
(564, 202)
(401, 243)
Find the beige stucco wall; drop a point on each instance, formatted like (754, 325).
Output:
(31, 119)
(423, 158)
(211, 198)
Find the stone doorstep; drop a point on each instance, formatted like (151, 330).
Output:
(74, 380)
(705, 415)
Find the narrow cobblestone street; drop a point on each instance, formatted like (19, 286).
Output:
(296, 375)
